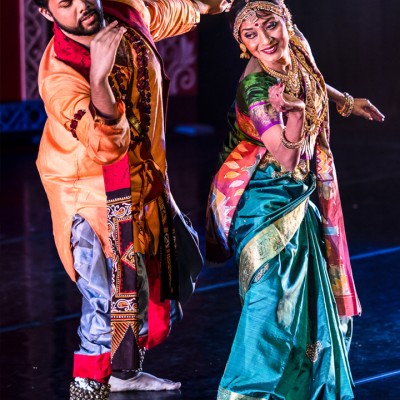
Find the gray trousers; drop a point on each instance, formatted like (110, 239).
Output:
(94, 273)
(94, 278)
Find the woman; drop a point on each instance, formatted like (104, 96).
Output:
(294, 271)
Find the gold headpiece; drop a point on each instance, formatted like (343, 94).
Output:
(249, 13)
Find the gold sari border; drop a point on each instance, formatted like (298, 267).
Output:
(267, 244)
(225, 394)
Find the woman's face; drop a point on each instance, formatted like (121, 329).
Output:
(266, 39)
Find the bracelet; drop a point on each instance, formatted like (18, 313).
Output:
(348, 106)
(291, 145)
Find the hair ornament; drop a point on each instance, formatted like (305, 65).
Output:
(249, 13)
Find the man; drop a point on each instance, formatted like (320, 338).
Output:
(102, 163)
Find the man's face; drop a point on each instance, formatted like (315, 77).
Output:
(77, 17)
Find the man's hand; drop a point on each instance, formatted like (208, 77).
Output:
(103, 49)
(213, 6)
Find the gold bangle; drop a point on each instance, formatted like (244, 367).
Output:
(291, 145)
(348, 106)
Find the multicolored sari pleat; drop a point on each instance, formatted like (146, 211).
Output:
(124, 293)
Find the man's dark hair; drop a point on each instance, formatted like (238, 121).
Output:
(42, 3)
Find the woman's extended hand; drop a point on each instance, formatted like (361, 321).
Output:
(283, 102)
(103, 49)
(364, 108)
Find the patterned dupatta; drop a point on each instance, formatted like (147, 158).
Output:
(337, 253)
(125, 347)
(236, 171)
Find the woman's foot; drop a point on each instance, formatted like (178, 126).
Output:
(142, 381)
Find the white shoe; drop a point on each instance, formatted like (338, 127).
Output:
(142, 381)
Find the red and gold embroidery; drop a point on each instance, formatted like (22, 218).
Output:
(74, 123)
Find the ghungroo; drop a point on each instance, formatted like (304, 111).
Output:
(88, 389)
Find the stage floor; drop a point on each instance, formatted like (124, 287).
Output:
(39, 305)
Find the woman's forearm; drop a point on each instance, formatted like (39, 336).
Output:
(278, 140)
(293, 133)
(334, 95)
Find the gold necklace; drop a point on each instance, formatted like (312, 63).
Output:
(292, 80)
(293, 85)
(312, 121)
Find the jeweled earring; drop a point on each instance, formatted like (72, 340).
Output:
(243, 49)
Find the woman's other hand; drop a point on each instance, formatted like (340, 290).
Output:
(362, 107)
(365, 109)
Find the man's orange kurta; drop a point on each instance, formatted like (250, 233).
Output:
(71, 169)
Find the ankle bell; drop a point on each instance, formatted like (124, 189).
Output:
(88, 389)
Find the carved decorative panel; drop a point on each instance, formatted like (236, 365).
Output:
(34, 38)
(180, 58)
(22, 116)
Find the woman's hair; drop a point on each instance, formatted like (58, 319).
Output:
(42, 3)
(238, 5)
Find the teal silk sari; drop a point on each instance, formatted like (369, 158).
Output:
(288, 343)
(294, 270)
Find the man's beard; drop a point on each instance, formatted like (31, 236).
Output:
(79, 30)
